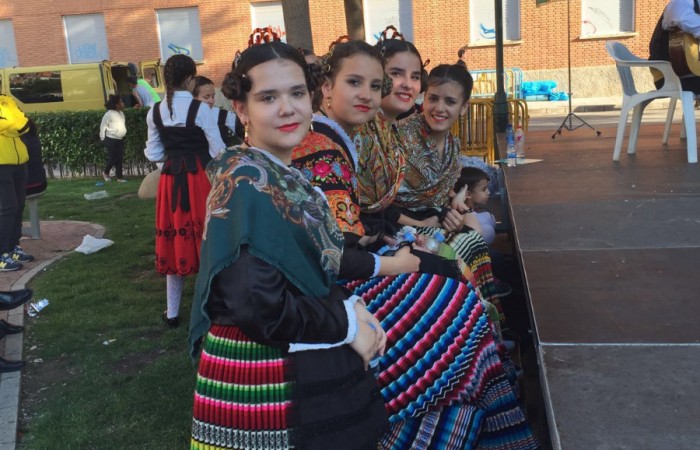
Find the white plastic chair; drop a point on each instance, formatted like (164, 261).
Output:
(637, 101)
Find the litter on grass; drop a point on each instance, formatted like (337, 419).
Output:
(92, 244)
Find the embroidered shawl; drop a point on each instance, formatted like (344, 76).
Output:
(429, 178)
(381, 163)
(257, 201)
(326, 157)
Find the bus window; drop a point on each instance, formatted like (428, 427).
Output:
(150, 75)
(37, 87)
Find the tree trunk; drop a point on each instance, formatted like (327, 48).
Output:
(355, 19)
(297, 24)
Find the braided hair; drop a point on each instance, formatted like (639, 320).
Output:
(458, 73)
(177, 69)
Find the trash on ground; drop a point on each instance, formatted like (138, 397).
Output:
(100, 183)
(35, 307)
(96, 195)
(109, 341)
(92, 244)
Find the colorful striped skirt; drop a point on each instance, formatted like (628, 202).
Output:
(472, 249)
(441, 377)
(242, 396)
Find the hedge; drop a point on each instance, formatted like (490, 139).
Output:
(70, 142)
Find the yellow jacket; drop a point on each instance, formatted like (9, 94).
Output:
(13, 124)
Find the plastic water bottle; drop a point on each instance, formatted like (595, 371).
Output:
(510, 146)
(96, 195)
(432, 244)
(520, 145)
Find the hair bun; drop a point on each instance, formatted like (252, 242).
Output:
(235, 86)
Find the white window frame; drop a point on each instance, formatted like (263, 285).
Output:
(381, 13)
(482, 21)
(607, 17)
(8, 48)
(268, 14)
(179, 32)
(86, 38)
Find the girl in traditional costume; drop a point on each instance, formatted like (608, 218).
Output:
(205, 92)
(284, 350)
(183, 136)
(441, 376)
(382, 165)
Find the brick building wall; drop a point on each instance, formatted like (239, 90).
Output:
(441, 27)
(439, 34)
(327, 23)
(131, 28)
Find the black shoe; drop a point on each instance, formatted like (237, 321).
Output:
(10, 366)
(501, 288)
(8, 328)
(172, 322)
(13, 299)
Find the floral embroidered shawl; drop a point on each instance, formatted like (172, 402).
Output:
(327, 159)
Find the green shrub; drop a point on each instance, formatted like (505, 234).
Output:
(70, 139)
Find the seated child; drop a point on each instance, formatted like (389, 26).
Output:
(469, 196)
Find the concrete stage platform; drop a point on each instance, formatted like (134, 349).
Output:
(611, 257)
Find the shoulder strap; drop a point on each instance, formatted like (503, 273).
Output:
(192, 113)
(222, 116)
(157, 119)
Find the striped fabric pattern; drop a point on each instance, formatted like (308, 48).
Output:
(453, 427)
(441, 377)
(473, 250)
(436, 331)
(242, 395)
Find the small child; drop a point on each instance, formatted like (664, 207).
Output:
(470, 196)
(112, 132)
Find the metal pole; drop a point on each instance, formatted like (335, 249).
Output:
(500, 105)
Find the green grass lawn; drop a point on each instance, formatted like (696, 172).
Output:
(78, 393)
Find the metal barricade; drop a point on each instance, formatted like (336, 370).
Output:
(475, 127)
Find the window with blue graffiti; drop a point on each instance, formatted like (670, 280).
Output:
(86, 38)
(36, 87)
(180, 33)
(8, 50)
(483, 21)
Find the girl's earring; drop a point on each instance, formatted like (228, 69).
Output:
(328, 104)
(245, 134)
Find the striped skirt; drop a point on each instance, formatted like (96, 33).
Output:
(472, 249)
(242, 396)
(441, 377)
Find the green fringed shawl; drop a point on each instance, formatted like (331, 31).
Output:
(255, 200)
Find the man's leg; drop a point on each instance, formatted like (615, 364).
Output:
(8, 208)
(20, 181)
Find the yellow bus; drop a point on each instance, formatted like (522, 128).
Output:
(72, 87)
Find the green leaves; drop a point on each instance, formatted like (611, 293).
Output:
(71, 138)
